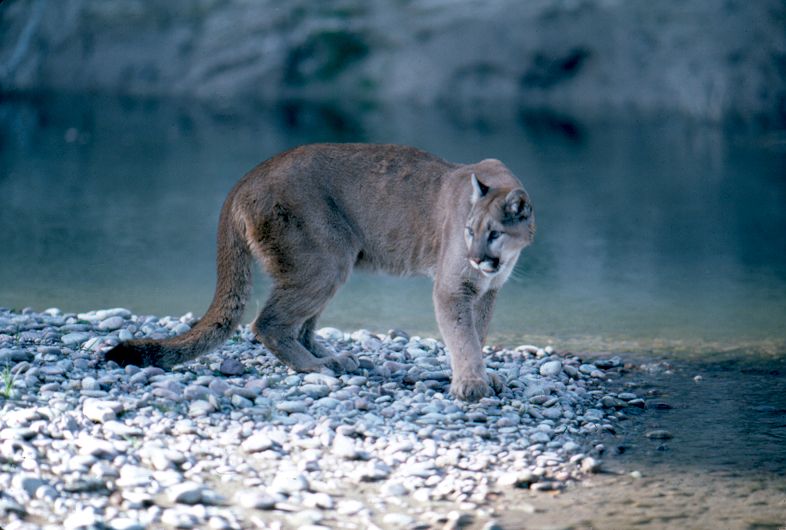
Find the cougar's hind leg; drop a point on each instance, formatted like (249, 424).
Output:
(323, 351)
(308, 339)
(285, 325)
(277, 328)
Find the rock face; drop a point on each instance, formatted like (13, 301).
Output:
(700, 57)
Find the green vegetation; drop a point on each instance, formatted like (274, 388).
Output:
(7, 381)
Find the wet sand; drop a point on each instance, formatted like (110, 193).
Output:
(724, 467)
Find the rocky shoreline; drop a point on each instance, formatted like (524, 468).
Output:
(236, 440)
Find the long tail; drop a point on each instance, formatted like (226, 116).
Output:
(233, 284)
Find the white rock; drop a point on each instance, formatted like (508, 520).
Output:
(398, 519)
(257, 442)
(255, 500)
(185, 493)
(315, 391)
(85, 518)
(134, 476)
(349, 507)
(240, 402)
(540, 437)
(550, 368)
(101, 411)
(89, 383)
(125, 523)
(73, 339)
(178, 519)
(344, 447)
(181, 328)
(121, 430)
(319, 500)
(590, 465)
(111, 323)
(28, 483)
(287, 482)
(322, 379)
(292, 406)
(96, 447)
(330, 333)
(200, 407)
(393, 489)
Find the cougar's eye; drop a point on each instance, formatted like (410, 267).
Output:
(493, 235)
(470, 232)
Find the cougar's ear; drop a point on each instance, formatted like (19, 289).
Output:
(479, 190)
(516, 206)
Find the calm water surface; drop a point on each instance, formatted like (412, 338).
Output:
(654, 232)
(656, 235)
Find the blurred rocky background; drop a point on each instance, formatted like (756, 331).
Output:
(714, 60)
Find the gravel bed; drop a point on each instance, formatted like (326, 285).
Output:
(236, 440)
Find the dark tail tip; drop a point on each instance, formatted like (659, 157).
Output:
(126, 353)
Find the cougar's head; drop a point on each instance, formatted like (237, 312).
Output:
(501, 222)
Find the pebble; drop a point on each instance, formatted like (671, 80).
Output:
(73, 339)
(289, 483)
(590, 465)
(231, 366)
(550, 368)
(322, 379)
(383, 443)
(255, 499)
(292, 406)
(125, 523)
(315, 391)
(185, 493)
(519, 479)
(659, 434)
(350, 507)
(398, 520)
(100, 411)
(111, 323)
(344, 447)
(199, 408)
(28, 483)
(257, 442)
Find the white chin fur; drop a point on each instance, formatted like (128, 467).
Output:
(487, 271)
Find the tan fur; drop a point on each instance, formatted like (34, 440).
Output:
(312, 214)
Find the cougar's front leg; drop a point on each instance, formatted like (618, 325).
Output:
(484, 307)
(455, 317)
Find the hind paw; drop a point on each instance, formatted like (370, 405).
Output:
(342, 363)
(319, 350)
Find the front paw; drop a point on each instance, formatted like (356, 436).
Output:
(470, 388)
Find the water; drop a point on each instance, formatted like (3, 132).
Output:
(656, 235)
(654, 232)
(725, 466)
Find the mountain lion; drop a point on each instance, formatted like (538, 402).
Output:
(312, 214)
